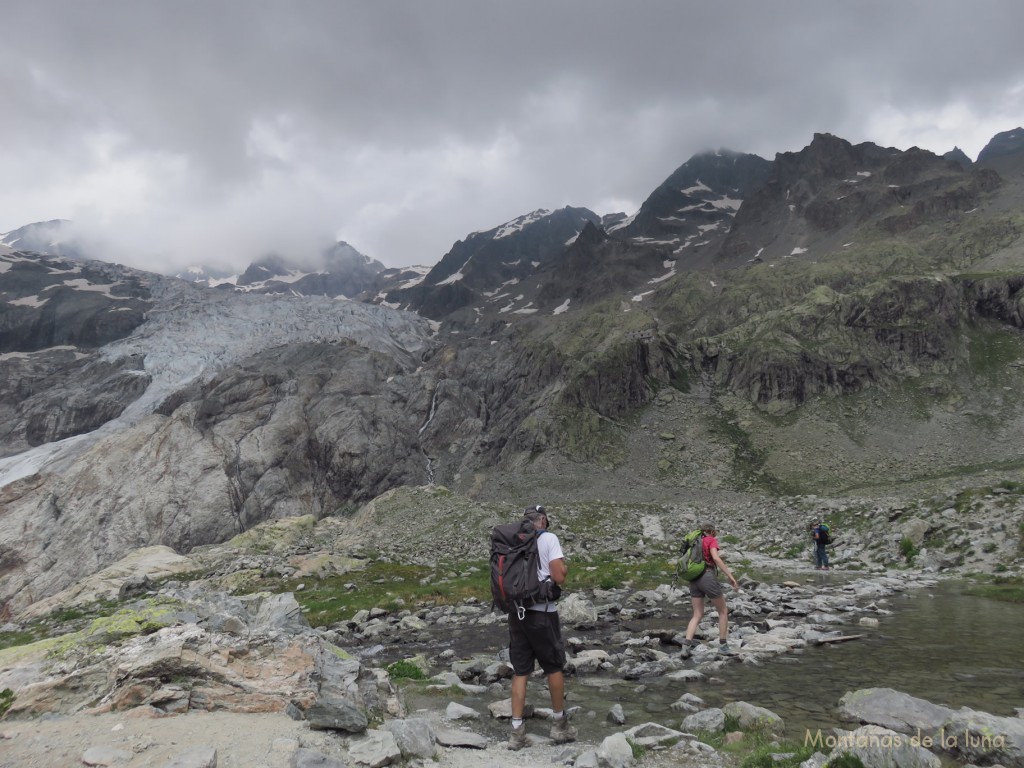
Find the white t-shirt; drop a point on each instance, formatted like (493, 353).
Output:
(548, 548)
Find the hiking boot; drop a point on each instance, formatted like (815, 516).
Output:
(561, 731)
(518, 738)
(725, 650)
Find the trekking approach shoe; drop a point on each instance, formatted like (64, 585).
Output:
(561, 731)
(518, 738)
(725, 650)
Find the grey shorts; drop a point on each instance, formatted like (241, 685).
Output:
(706, 586)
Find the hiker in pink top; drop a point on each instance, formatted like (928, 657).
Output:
(707, 586)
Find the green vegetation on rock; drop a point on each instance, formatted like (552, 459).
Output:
(405, 670)
(6, 699)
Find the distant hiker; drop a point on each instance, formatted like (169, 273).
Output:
(821, 534)
(707, 586)
(535, 636)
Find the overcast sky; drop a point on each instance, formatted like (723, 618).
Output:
(214, 131)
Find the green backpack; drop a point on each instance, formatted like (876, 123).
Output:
(691, 563)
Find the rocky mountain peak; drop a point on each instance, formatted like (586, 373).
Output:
(692, 210)
(54, 237)
(958, 156)
(591, 235)
(338, 271)
(480, 268)
(1005, 155)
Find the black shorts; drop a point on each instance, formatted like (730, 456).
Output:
(537, 638)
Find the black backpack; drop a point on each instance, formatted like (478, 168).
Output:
(824, 534)
(515, 583)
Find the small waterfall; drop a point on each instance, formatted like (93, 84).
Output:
(433, 408)
(430, 418)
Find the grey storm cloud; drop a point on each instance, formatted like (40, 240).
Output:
(215, 132)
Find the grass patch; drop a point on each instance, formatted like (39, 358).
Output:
(795, 552)
(405, 670)
(766, 756)
(6, 699)
(63, 621)
(382, 584)
(606, 571)
(450, 692)
(638, 749)
(21, 637)
(907, 549)
(757, 747)
(991, 348)
(91, 611)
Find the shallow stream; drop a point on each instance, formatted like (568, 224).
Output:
(939, 644)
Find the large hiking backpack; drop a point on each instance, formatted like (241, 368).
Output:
(515, 581)
(691, 563)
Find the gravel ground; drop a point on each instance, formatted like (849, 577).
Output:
(126, 740)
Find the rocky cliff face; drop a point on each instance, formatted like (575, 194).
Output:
(223, 410)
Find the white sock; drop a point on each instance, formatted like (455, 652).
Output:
(516, 722)
(557, 715)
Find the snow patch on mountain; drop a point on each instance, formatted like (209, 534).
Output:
(700, 186)
(520, 223)
(85, 285)
(624, 223)
(28, 301)
(453, 278)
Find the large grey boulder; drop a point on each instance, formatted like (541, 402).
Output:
(712, 720)
(615, 752)
(915, 529)
(984, 739)
(653, 735)
(336, 715)
(377, 749)
(414, 736)
(450, 737)
(456, 711)
(575, 610)
(894, 710)
(751, 717)
(280, 611)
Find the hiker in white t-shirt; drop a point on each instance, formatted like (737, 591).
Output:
(537, 639)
